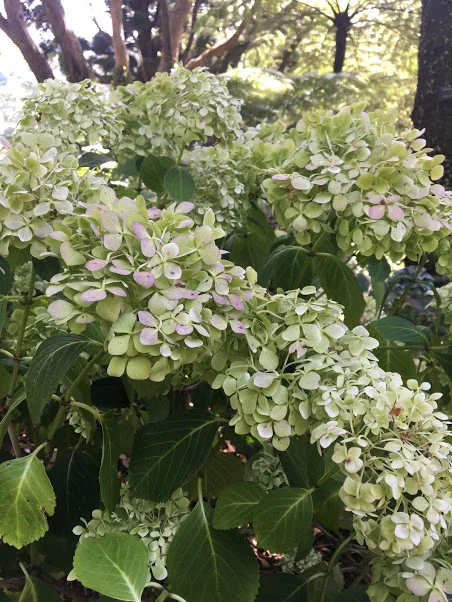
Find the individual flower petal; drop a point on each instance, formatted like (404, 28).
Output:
(144, 279)
(94, 294)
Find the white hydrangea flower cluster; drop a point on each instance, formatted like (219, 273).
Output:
(288, 563)
(38, 186)
(155, 524)
(289, 365)
(349, 171)
(411, 581)
(445, 293)
(157, 284)
(75, 114)
(40, 326)
(173, 110)
(222, 175)
(265, 469)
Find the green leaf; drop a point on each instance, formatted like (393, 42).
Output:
(396, 360)
(219, 471)
(109, 393)
(399, 329)
(26, 497)
(6, 277)
(283, 518)
(153, 170)
(3, 306)
(205, 565)
(16, 400)
(236, 504)
(283, 587)
(287, 268)
(51, 361)
(167, 454)
(76, 470)
(91, 159)
(341, 285)
(354, 594)
(179, 183)
(379, 270)
(302, 463)
(328, 506)
(445, 361)
(18, 257)
(108, 474)
(35, 590)
(114, 565)
(47, 267)
(253, 246)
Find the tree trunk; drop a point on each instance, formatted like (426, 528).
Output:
(119, 43)
(74, 60)
(16, 29)
(342, 25)
(166, 61)
(433, 103)
(218, 50)
(176, 21)
(288, 56)
(147, 44)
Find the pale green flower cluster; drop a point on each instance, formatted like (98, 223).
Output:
(75, 114)
(40, 326)
(157, 284)
(222, 175)
(351, 173)
(39, 185)
(79, 423)
(445, 293)
(155, 524)
(265, 469)
(411, 581)
(288, 563)
(173, 110)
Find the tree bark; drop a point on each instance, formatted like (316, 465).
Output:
(433, 103)
(119, 43)
(147, 43)
(166, 61)
(15, 27)
(342, 25)
(176, 24)
(218, 50)
(191, 37)
(74, 60)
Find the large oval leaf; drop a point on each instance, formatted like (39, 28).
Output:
(283, 519)
(167, 454)
(287, 267)
(399, 329)
(153, 170)
(236, 505)
(179, 183)
(205, 565)
(26, 497)
(396, 360)
(341, 285)
(115, 565)
(50, 363)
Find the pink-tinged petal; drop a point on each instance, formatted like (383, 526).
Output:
(149, 336)
(147, 319)
(446, 224)
(140, 230)
(113, 241)
(145, 279)
(218, 299)
(174, 293)
(247, 295)
(184, 329)
(172, 270)
(320, 181)
(93, 294)
(238, 327)
(280, 176)
(25, 234)
(395, 213)
(184, 207)
(186, 223)
(236, 302)
(377, 211)
(147, 247)
(393, 198)
(117, 291)
(120, 271)
(202, 331)
(195, 316)
(170, 250)
(96, 264)
(189, 294)
(165, 350)
(110, 221)
(154, 213)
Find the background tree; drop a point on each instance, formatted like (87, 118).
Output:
(433, 104)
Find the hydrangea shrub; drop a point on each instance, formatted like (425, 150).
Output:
(182, 413)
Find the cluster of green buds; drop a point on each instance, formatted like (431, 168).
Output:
(79, 423)
(39, 186)
(265, 469)
(222, 175)
(75, 114)
(173, 110)
(156, 282)
(411, 581)
(349, 172)
(289, 564)
(155, 524)
(445, 293)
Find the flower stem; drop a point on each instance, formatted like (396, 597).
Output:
(82, 374)
(402, 297)
(331, 564)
